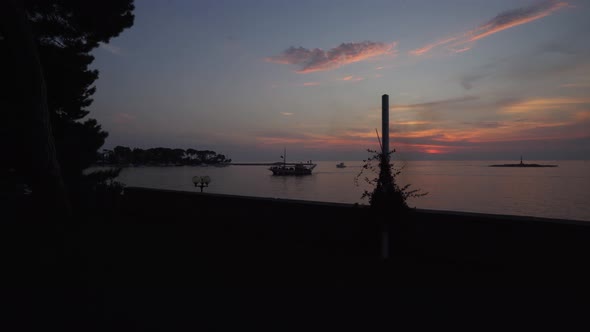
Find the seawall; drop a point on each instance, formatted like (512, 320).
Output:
(299, 230)
(163, 257)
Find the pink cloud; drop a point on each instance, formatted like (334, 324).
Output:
(503, 21)
(429, 47)
(313, 60)
(515, 17)
(461, 50)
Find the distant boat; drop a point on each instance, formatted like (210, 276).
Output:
(340, 165)
(293, 169)
(522, 165)
(297, 169)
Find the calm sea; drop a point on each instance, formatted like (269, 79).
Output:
(561, 192)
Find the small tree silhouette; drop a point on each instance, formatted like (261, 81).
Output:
(387, 194)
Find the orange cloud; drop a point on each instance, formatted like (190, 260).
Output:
(427, 148)
(366, 140)
(432, 104)
(434, 151)
(319, 142)
(411, 123)
(352, 78)
(503, 21)
(582, 116)
(311, 83)
(409, 134)
(313, 60)
(541, 104)
(449, 132)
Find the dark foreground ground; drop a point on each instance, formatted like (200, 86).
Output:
(166, 261)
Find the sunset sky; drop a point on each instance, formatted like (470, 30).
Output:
(467, 79)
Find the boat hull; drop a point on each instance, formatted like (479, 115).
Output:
(296, 170)
(294, 173)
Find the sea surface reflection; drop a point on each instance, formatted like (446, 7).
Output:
(561, 192)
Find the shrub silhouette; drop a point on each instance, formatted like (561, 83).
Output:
(387, 194)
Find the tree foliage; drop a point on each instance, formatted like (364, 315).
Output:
(386, 193)
(122, 155)
(65, 32)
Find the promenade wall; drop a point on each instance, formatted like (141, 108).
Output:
(266, 227)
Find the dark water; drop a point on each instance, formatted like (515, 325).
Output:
(561, 192)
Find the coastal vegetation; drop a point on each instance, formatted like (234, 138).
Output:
(46, 87)
(387, 194)
(123, 155)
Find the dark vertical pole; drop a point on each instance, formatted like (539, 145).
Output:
(385, 123)
(385, 161)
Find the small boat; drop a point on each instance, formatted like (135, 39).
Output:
(285, 168)
(340, 165)
(293, 169)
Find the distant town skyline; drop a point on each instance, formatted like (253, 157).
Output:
(467, 79)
